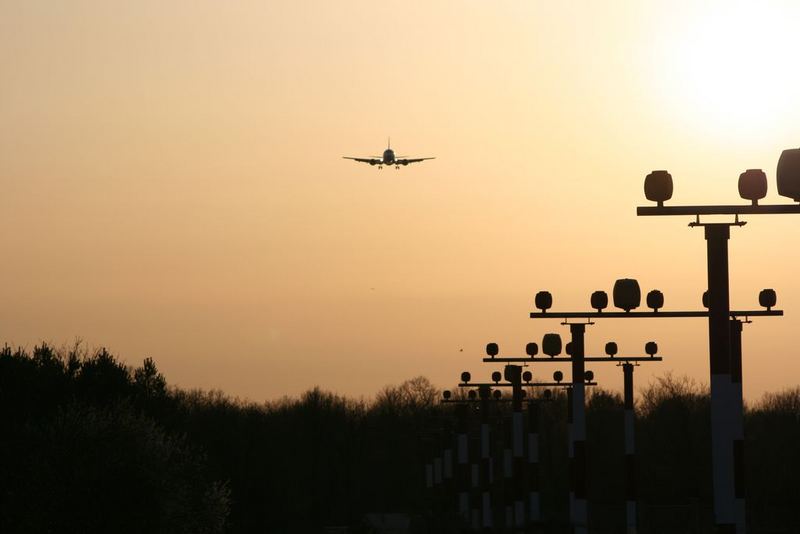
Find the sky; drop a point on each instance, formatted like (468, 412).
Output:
(173, 187)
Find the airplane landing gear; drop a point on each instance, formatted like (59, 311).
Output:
(397, 166)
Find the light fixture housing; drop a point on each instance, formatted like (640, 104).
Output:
(788, 174)
(658, 187)
(551, 345)
(627, 295)
(753, 185)
(599, 300)
(544, 300)
(767, 298)
(655, 300)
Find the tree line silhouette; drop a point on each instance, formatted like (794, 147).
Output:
(89, 444)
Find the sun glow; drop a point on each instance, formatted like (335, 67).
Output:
(734, 69)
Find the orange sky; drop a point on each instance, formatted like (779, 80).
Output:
(172, 181)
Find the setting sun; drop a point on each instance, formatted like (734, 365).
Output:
(731, 70)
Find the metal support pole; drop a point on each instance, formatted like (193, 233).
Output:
(475, 482)
(580, 512)
(508, 474)
(514, 374)
(534, 505)
(738, 436)
(570, 458)
(486, 460)
(630, 451)
(722, 409)
(462, 466)
(498, 472)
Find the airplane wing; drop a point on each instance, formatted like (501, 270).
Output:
(371, 161)
(406, 161)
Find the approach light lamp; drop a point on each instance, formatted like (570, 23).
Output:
(512, 373)
(558, 376)
(531, 349)
(627, 295)
(753, 185)
(497, 394)
(466, 377)
(551, 345)
(767, 298)
(589, 376)
(492, 349)
(568, 348)
(547, 394)
(655, 299)
(544, 300)
(705, 299)
(446, 394)
(527, 376)
(651, 348)
(788, 174)
(658, 187)
(471, 394)
(611, 348)
(599, 300)
(496, 376)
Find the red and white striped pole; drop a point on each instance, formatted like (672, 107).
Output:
(723, 418)
(508, 475)
(462, 463)
(513, 373)
(630, 451)
(580, 508)
(486, 459)
(570, 458)
(534, 505)
(738, 435)
(475, 482)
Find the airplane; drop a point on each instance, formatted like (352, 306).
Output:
(388, 158)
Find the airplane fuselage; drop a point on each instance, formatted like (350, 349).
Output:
(388, 157)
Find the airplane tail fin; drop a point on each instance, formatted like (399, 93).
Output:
(389, 142)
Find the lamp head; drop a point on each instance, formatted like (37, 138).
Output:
(753, 185)
(544, 300)
(658, 187)
(655, 300)
(599, 300)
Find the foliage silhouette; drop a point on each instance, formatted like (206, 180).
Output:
(91, 445)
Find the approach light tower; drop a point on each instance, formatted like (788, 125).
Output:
(627, 297)
(727, 456)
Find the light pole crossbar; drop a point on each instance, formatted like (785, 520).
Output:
(645, 315)
(718, 210)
